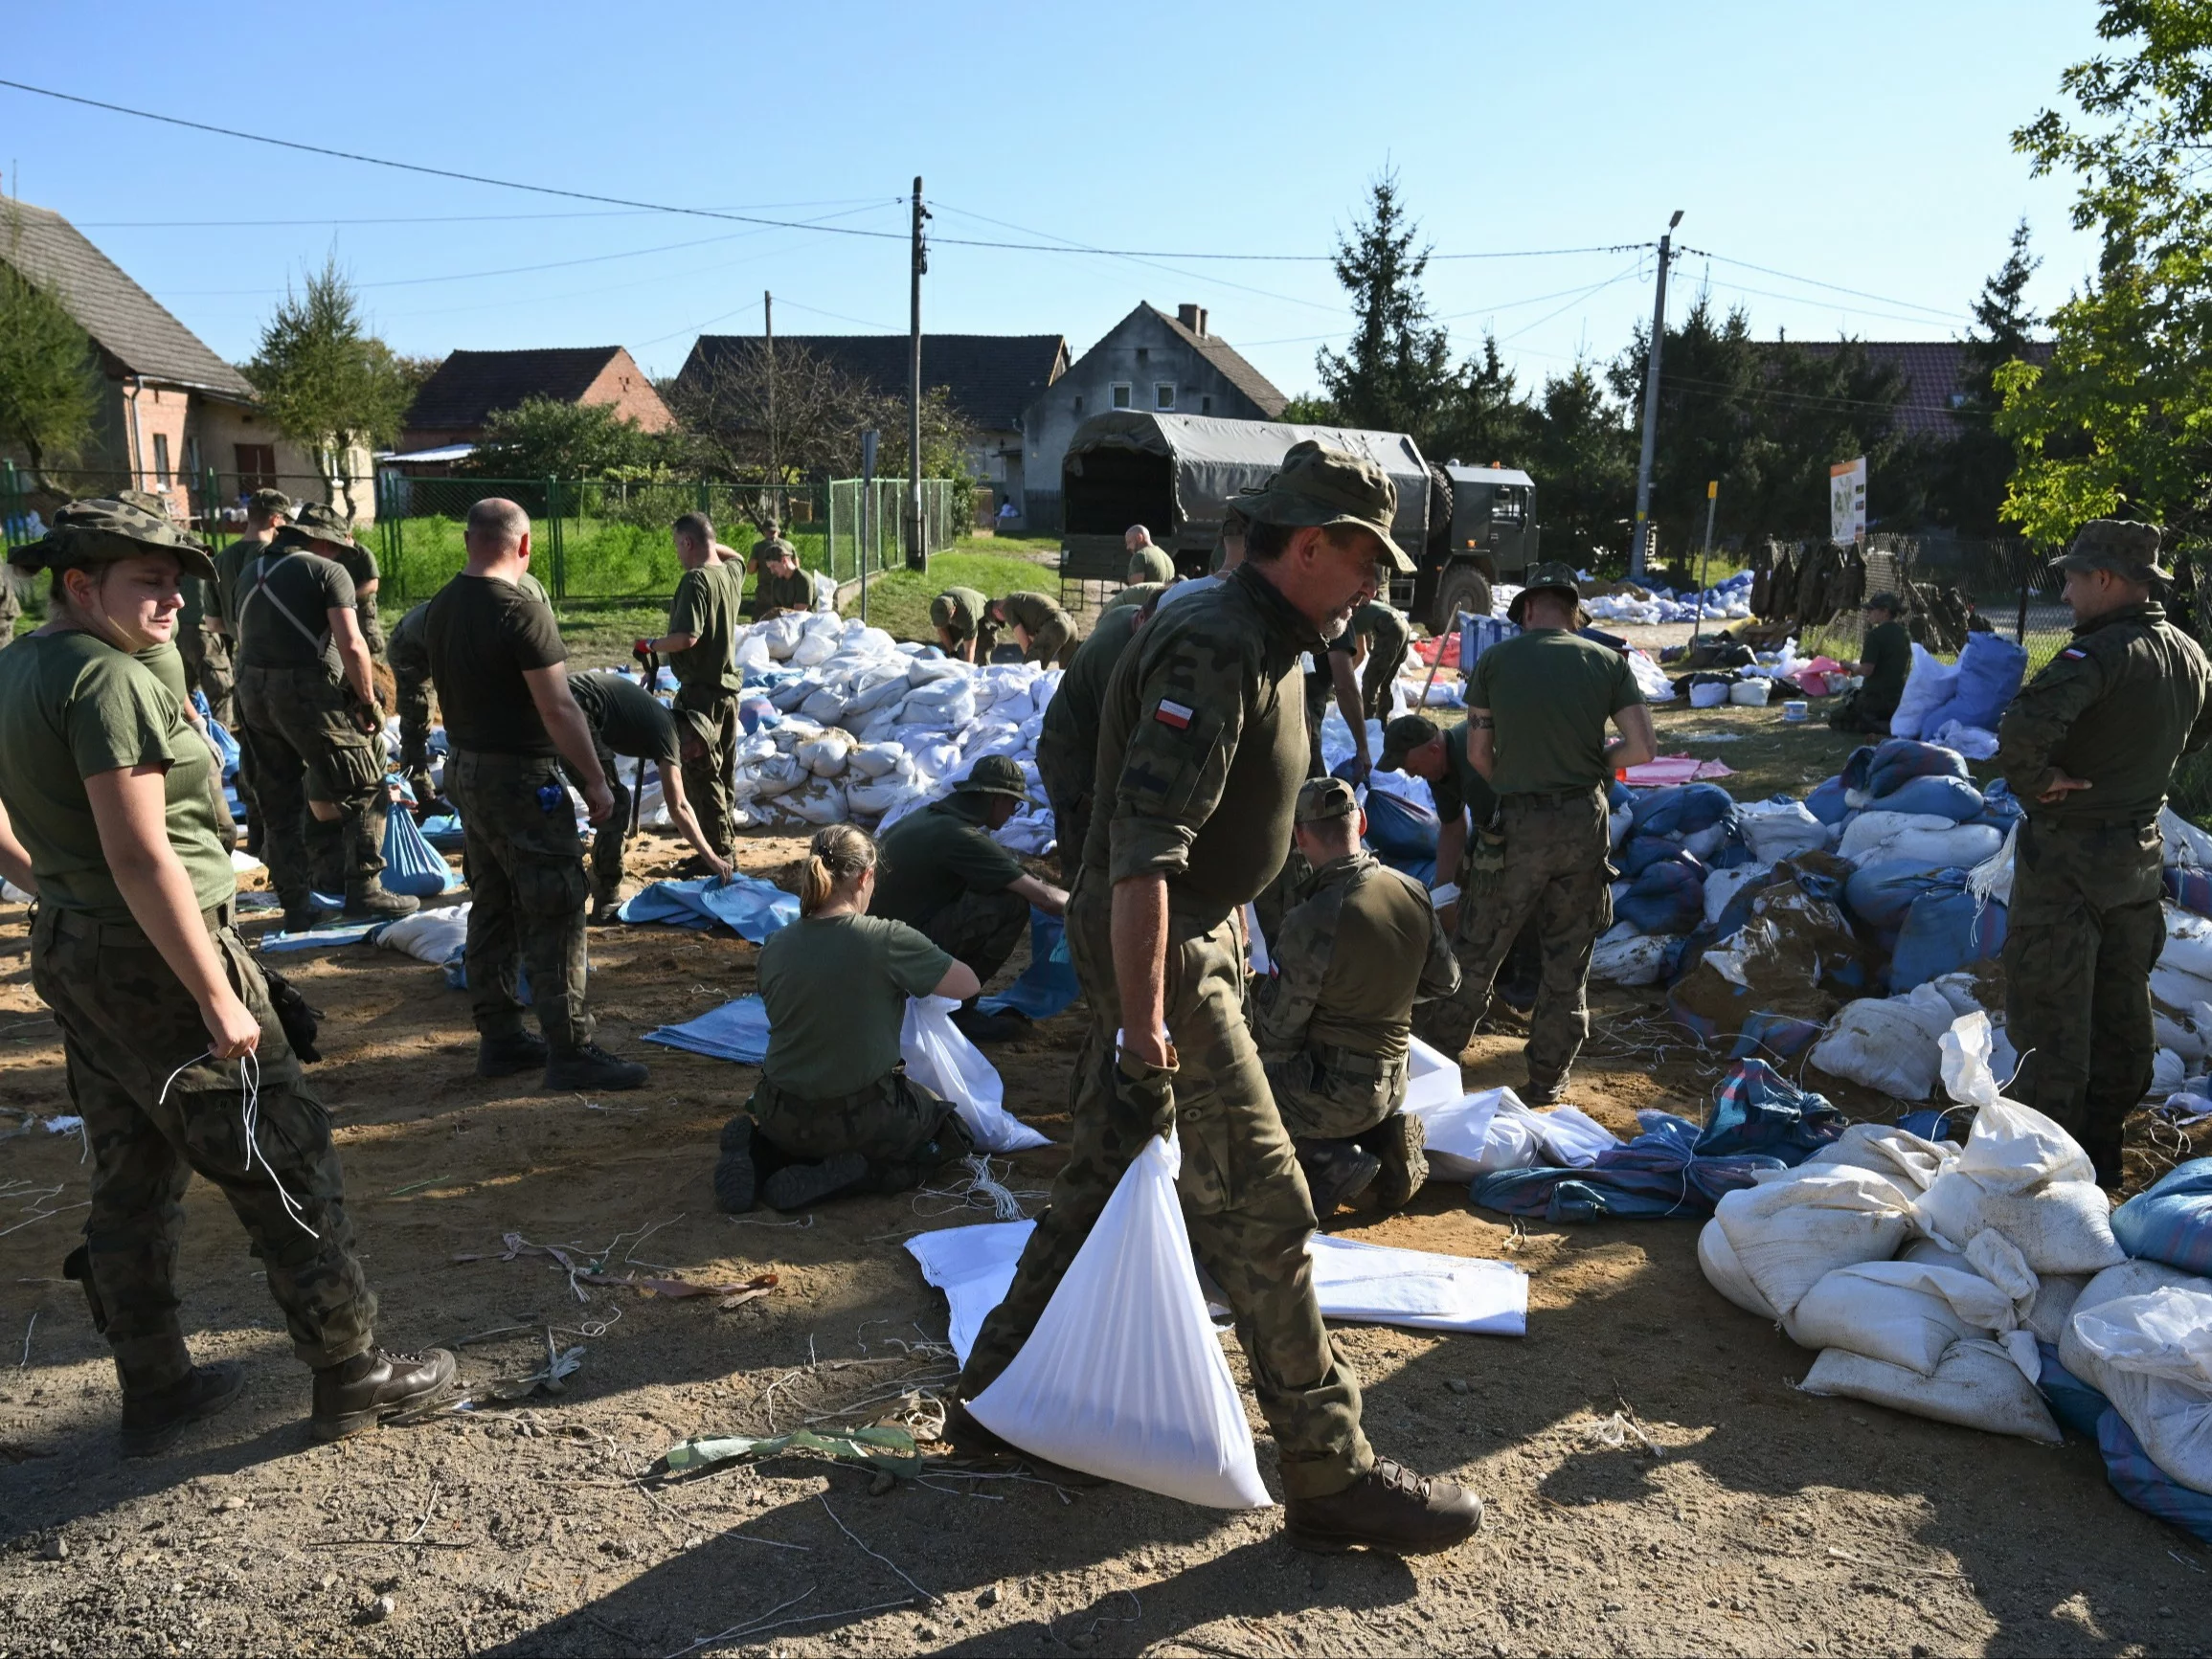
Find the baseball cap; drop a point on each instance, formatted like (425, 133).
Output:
(994, 774)
(1324, 797)
(1553, 577)
(1320, 486)
(86, 533)
(1402, 737)
(1884, 601)
(2121, 546)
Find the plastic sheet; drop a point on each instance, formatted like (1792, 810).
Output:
(940, 1057)
(1047, 984)
(1656, 1175)
(736, 1031)
(750, 907)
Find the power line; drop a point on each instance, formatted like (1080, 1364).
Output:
(1816, 282)
(437, 218)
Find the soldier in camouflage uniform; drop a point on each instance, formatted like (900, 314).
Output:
(1068, 739)
(1046, 632)
(1201, 748)
(700, 646)
(11, 608)
(328, 532)
(165, 1021)
(1333, 1020)
(268, 511)
(1537, 707)
(2089, 747)
(962, 620)
(780, 585)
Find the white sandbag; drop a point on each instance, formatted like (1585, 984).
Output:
(824, 705)
(939, 704)
(2187, 844)
(862, 641)
(1471, 1136)
(1566, 1136)
(816, 644)
(1717, 1257)
(1750, 693)
(1976, 1386)
(1928, 687)
(1433, 1077)
(820, 802)
(1619, 822)
(2188, 946)
(1974, 742)
(880, 796)
(927, 670)
(2168, 1072)
(1909, 1163)
(1873, 829)
(1709, 694)
(825, 755)
(874, 688)
(1888, 1042)
(1780, 829)
(940, 1057)
(875, 759)
(752, 655)
(1123, 1377)
(1790, 1233)
(2137, 1278)
(2151, 1356)
(2185, 1037)
(794, 731)
(428, 935)
(1907, 1313)
(2177, 989)
(2053, 1308)
(1918, 838)
(1629, 957)
(1722, 885)
(776, 776)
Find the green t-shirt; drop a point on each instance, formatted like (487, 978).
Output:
(72, 706)
(707, 603)
(1462, 788)
(227, 564)
(836, 990)
(930, 858)
(1888, 652)
(626, 718)
(1551, 693)
(167, 663)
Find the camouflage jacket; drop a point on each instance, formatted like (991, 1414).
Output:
(1067, 740)
(1351, 960)
(2116, 708)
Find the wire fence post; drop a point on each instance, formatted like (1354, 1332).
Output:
(2026, 577)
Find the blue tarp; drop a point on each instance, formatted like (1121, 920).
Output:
(455, 968)
(1658, 1174)
(735, 1031)
(1047, 984)
(1758, 1111)
(750, 907)
(315, 938)
(1398, 828)
(2171, 1222)
(412, 865)
(442, 831)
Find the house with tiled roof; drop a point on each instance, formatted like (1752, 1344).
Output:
(988, 379)
(1935, 373)
(1147, 360)
(174, 418)
(453, 405)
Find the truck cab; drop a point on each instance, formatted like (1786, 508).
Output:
(1493, 537)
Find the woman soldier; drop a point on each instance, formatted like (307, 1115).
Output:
(175, 1059)
(834, 1108)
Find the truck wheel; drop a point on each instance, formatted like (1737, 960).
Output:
(1463, 588)
(1439, 543)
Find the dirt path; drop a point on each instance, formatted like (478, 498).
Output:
(1768, 1522)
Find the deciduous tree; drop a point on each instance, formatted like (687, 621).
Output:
(330, 386)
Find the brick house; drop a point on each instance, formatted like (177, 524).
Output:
(171, 413)
(1147, 360)
(469, 387)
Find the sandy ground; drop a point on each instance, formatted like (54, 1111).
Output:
(1766, 1522)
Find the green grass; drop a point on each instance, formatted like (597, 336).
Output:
(898, 601)
(1769, 755)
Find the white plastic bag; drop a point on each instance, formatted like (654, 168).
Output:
(1708, 694)
(429, 935)
(1780, 829)
(1928, 688)
(2152, 1357)
(1432, 1076)
(940, 1057)
(1471, 1136)
(1788, 1234)
(1750, 693)
(1976, 1386)
(1123, 1377)
(1888, 1042)
(1722, 885)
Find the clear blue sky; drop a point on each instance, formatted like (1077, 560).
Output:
(1867, 147)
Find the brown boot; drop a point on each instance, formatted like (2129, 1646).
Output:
(369, 1387)
(1401, 1142)
(152, 1419)
(1389, 1508)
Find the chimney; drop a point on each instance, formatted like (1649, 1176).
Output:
(1193, 318)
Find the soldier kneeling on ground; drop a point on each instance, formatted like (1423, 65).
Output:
(1334, 1022)
(834, 1110)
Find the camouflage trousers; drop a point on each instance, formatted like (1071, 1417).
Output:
(155, 1110)
(207, 660)
(1053, 645)
(707, 720)
(906, 1133)
(1070, 829)
(305, 746)
(979, 929)
(2083, 932)
(1244, 1197)
(525, 891)
(1329, 1093)
(411, 683)
(1545, 861)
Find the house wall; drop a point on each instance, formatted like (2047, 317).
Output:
(624, 385)
(1141, 350)
(221, 427)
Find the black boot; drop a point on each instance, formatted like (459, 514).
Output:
(795, 1186)
(1401, 1142)
(1389, 1508)
(304, 912)
(368, 901)
(737, 1181)
(505, 1056)
(369, 1387)
(590, 1067)
(154, 1418)
(1337, 1172)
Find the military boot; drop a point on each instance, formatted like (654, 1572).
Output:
(737, 1181)
(1337, 1172)
(365, 1390)
(154, 1418)
(1400, 1141)
(1389, 1508)
(590, 1067)
(304, 912)
(505, 1055)
(368, 901)
(325, 842)
(797, 1185)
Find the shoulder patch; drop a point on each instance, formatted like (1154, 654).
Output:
(1174, 714)
(2075, 654)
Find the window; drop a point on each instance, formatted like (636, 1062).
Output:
(161, 460)
(1163, 395)
(257, 466)
(1121, 397)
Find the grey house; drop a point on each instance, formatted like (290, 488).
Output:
(1148, 362)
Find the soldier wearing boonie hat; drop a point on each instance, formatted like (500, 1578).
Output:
(158, 1002)
(941, 874)
(1200, 753)
(329, 532)
(2089, 747)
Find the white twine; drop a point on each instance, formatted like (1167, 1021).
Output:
(249, 1119)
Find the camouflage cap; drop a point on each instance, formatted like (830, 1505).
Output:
(1402, 737)
(994, 774)
(1148, 564)
(316, 522)
(1325, 798)
(269, 500)
(1319, 486)
(2121, 546)
(1549, 577)
(97, 532)
(1884, 601)
(146, 500)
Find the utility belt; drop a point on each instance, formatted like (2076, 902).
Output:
(77, 925)
(1548, 796)
(2133, 823)
(768, 1098)
(1350, 1064)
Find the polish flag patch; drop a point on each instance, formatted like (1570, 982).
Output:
(2075, 655)
(1173, 714)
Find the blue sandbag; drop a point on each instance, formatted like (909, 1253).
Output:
(1902, 759)
(1396, 826)
(1999, 806)
(1990, 670)
(1947, 929)
(2145, 1485)
(2076, 1405)
(1639, 853)
(1881, 894)
(412, 865)
(750, 908)
(1826, 802)
(1683, 809)
(1757, 1110)
(1618, 795)
(1946, 797)
(1853, 776)
(2189, 887)
(1667, 898)
(2171, 1222)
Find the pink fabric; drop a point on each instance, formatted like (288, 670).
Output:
(1670, 769)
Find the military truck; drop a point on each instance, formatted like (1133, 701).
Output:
(1177, 475)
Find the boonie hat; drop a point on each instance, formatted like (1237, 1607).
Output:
(1325, 798)
(1402, 737)
(146, 500)
(1884, 601)
(994, 774)
(2121, 546)
(98, 532)
(270, 501)
(1551, 578)
(1148, 564)
(316, 522)
(1319, 486)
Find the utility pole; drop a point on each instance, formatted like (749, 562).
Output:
(1642, 545)
(768, 326)
(917, 556)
